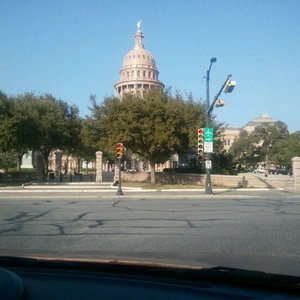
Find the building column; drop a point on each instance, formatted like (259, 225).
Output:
(99, 166)
(141, 166)
(296, 172)
(58, 156)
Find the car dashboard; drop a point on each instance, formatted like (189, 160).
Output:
(32, 278)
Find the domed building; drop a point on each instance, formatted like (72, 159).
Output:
(138, 72)
(264, 118)
(232, 133)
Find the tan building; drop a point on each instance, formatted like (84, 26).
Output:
(232, 133)
(264, 118)
(138, 72)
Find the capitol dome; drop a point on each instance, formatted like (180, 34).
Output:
(138, 72)
(138, 56)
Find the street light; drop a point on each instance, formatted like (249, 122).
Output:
(208, 189)
(227, 87)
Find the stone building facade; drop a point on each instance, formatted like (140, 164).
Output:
(232, 133)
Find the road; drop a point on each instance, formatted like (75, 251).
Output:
(256, 230)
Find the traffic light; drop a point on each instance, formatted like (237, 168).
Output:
(220, 103)
(230, 85)
(119, 150)
(201, 142)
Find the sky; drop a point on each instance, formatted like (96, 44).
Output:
(75, 48)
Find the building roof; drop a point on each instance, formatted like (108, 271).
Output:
(139, 56)
(264, 118)
(138, 69)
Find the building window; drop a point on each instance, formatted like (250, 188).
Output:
(150, 75)
(138, 73)
(132, 73)
(127, 74)
(144, 73)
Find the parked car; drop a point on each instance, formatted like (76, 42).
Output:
(282, 171)
(260, 170)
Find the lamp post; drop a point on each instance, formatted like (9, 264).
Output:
(227, 87)
(208, 189)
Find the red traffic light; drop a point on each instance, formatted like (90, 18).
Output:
(119, 150)
(200, 142)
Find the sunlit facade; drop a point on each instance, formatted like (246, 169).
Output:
(232, 133)
(138, 72)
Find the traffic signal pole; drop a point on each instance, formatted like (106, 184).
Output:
(208, 189)
(119, 191)
(227, 87)
(119, 155)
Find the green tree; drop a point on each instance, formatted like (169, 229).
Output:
(7, 160)
(285, 149)
(259, 146)
(58, 126)
(265, 136)
(6, 112)
(17, 128)
(153, 126)
(87, 145)
(243, 151)
(31, 122)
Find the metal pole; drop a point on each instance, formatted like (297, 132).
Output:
(208, 189)
(119, 191)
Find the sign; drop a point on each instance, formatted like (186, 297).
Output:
(208, 147)
(208, 134)
(208, 164)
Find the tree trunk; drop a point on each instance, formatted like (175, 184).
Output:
(78, 165)
(46, 166)
(19, 161)
(46, 161)
(152, 168)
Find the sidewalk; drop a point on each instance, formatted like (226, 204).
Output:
(107, 187)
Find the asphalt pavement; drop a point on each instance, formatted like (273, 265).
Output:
(251, 229)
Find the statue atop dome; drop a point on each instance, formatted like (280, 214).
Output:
(139, 35)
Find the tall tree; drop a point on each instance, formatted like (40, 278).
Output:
(243, 151)
(58, 126)
(285, 149)
(18, 128)
(6, 112)
(41, 123)
(259, 146)
(153, 126)
(265, 136)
